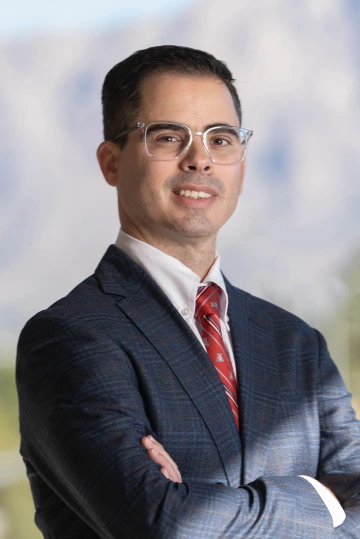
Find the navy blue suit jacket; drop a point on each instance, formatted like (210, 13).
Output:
(114, 361)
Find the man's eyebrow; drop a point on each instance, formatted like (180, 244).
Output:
(164, 125)
(175, 126)
(219, 124)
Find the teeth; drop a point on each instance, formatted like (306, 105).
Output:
(194, 194)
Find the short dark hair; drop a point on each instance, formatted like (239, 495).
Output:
(121, 92)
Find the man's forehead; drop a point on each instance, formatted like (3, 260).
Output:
(160, 83)
(174, 97)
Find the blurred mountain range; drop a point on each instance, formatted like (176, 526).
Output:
(296, 228)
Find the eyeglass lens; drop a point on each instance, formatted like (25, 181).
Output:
(225, 145)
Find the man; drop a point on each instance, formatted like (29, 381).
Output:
(156, 399)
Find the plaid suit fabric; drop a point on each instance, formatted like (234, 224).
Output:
(109, 363)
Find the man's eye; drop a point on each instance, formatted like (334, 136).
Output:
(168, 139)
(220, 141)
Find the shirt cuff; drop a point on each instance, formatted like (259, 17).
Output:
(336, 511)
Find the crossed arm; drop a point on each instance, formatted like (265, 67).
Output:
(171, 471)
(103, 474)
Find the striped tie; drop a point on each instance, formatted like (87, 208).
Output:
(207, 310)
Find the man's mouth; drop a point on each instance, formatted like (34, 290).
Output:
(193, 194)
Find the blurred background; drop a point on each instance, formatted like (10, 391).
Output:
(295, 237)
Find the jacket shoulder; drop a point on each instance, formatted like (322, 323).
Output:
(82, 305)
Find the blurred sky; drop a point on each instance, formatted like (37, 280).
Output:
(24, 17)
(296, 229)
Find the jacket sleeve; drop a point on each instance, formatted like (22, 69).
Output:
(81, 421)
(339, 463)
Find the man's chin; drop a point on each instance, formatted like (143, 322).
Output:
(188, 228)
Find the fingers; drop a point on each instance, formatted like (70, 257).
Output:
(159, 449)
(158, 454)
(150, 443)
(166, 467)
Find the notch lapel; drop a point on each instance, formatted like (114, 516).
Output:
(155, 316)
(254, 349)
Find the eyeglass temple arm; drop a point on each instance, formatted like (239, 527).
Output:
(123, 133)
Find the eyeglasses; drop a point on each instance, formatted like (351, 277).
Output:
(167, 141)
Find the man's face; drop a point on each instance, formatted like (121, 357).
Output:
(149, 204)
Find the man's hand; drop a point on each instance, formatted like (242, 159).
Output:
(158, 454)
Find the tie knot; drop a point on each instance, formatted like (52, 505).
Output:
(207, 300)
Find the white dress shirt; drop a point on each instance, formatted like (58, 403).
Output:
(180, 284)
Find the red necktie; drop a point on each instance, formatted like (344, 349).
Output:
(207, 310)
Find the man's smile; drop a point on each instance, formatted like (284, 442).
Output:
(192, 198)
(193, 194)
(190, 195)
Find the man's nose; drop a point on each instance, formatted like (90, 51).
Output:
(196, 159)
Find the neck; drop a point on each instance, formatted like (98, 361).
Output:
(198, 254)
(198, 258)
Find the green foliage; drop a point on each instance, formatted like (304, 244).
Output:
(9, 423)
(17, 504)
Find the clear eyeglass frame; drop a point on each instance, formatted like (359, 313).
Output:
(246, 133)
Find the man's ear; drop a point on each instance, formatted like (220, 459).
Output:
(107, 156)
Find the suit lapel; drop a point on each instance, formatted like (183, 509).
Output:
(257, 370)
(151, 311)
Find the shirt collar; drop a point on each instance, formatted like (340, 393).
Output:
(178, 282)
